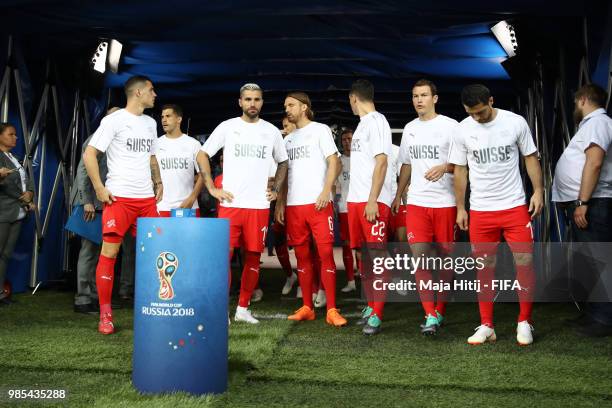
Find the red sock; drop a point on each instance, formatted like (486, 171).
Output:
(525, 276)
(282, 253)
(250, 276)
(446, 275)
(427, 295)
(328, 273)
(105, 274)
(316, 269)
(347, 257)
(486, 295)
(305, 272)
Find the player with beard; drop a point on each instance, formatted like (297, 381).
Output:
(489, 142)
(176, 153)
(250, 144)
(305, 203)
(133, 183)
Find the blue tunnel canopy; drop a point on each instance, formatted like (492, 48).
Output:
(199, 53)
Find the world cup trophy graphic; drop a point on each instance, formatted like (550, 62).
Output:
(167, 264)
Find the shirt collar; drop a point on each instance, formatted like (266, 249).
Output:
(596, 112)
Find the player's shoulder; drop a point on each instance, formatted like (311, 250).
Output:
(115, 117)
(509, 116)
(268, 127)
(191, 141)
(149, 120)
(447, 121)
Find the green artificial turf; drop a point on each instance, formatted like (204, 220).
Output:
(44, 344)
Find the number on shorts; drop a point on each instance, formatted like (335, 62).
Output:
(265, 231)
(378, 229)
(330, 221)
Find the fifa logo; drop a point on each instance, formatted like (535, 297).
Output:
(167, 264)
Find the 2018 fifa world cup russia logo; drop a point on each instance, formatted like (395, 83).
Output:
(167, 264)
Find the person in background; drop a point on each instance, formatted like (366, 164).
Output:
(583, 186)
(16, 199)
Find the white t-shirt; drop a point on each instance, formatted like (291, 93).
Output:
(342, 183)
(491, 151)
(177, 163)
(425, 144)
(371, 138)
(249, 148)
(127, 140)
(308, 149)
(595, 128)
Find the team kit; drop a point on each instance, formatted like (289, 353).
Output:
(414, 192)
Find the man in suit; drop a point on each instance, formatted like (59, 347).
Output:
(16, 199)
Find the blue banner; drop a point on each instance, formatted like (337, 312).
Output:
(180, 310)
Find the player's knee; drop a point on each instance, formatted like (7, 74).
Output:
(523, 258)
(110, 249)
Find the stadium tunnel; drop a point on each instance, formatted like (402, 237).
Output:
(198, 54)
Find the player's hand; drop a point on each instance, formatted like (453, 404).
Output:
(222, 195)
(462, 220)
(26, 197)
(279, 213)
(580, 216)
(536, 204)
(105, 196)
(322, 200)
(436, 172)
(89, 212)
(395, 205)
(188, 202)
(31, 206)
(271, 195)
(371, 211)
(159, 191)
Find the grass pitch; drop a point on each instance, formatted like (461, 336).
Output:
(44, 344)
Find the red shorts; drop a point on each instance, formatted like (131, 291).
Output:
(167, 214)
(344, 226)
(122, 214)
(304, 221)
(248, 227)
(397, 220)
(488, 226)
(361, 231)
(426, 224)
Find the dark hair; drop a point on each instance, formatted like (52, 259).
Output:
(134, 82)
(475, 94)
(427, 82)
(363, 89)
(346, 130)
(594, 93)
(5, 125)
(177, 109)
(303, 98)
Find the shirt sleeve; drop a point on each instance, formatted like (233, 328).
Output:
(104, 135)
(404, 152)
(196, 150)
(458, 150)
(215, 142)
(155, 146)
(525, 140)
(377, 130)
(279, 151)
(326, 143)
(598, 132)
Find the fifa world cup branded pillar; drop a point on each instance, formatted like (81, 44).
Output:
(180, 309)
